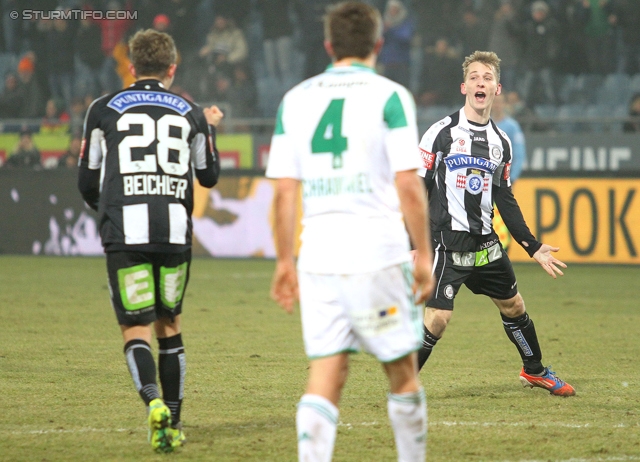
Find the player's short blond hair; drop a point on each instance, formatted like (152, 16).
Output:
(152, 53)
(488, 58)
(352, 28)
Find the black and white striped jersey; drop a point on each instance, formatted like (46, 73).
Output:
(466, 170)
(140, 148)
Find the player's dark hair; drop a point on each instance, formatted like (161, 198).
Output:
(352, 28)
(152, 52)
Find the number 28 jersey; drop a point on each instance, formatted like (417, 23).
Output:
(145, 143)
(344, 134)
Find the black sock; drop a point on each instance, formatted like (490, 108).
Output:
(172, 367)
(143, 369)
(428, 342)
(522, 334)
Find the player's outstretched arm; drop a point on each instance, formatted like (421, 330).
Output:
(284, 285)
(413, 203)
(213, 115)
(548, 262)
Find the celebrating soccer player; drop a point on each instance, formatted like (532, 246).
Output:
(140, 148)
(466, 168)
(348, 137)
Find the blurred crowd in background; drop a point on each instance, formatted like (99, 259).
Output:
(557, 55)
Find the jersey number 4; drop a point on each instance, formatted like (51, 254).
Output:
(165, 142)
(328, 135)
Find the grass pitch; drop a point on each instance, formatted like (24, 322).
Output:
(65, 392)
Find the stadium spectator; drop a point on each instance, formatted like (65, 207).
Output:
(77, 111)
(182, 16)
(395, 58)
(147, 237)
(70, 158)
(599, 35)
(310, 15)
(242, 93)
(503, 41)
(540, 40)
(37, 31)
(25, 154)
(89, 59)
(123, 63)
(112, 32)
(12, 98)
(633, 124)
(501, 113)
(61, 41)
(277, 36)
(472, 24)
(626, 15)
(355, 256)
(225, 47)
(441, 66)
(161, 23)
(33, 102)
(461, 204)
(56, 118)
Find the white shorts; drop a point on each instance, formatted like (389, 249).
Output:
(373, 311)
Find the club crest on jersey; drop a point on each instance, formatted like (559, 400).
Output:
(458, 161)
(133, 98)
(473, 183)
(496, 154)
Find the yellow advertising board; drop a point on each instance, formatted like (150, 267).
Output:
(592, 220)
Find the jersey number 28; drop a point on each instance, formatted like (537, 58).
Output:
(149, 134)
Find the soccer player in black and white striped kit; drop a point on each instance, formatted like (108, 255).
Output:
(467, 159)
(140, 150)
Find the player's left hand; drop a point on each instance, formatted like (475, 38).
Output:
(213, 115)
(548, 262)
(284, 286)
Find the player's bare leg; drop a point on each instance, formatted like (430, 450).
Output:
(317, 416)
(522, 333)
(407, 408)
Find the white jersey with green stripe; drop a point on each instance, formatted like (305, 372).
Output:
(344, 134)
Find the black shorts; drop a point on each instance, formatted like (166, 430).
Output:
(487, 272)
(145, 286)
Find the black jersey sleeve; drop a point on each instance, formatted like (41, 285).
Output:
(204, 152)
(512, 216)
(91, 156)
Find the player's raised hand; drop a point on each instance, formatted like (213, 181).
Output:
(422, 274)
(284, 285)
(213, 115)
(548, 262)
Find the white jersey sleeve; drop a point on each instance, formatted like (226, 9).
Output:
(283, 161)
(402, 131)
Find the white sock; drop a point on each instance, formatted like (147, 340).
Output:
(316, 423)
(408, 416)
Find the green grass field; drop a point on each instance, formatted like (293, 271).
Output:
(66, 394)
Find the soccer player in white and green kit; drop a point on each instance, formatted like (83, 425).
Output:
(346, 141)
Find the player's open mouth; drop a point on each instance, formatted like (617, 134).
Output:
(480, 96)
